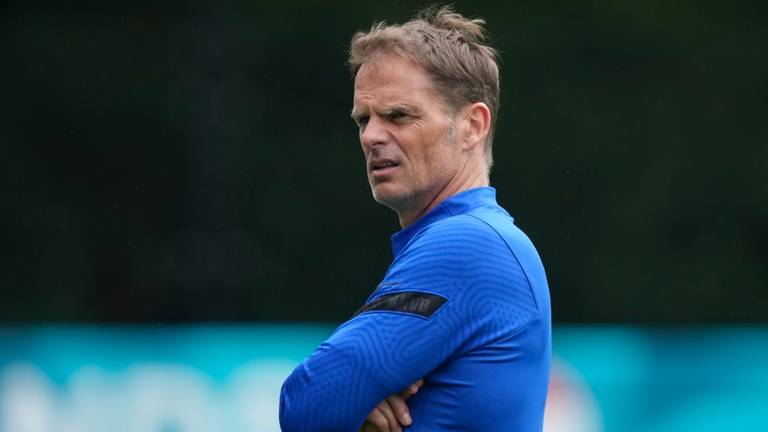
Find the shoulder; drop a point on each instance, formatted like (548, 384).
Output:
(461, 239)
(465, 227)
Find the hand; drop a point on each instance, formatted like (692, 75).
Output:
(392, 413)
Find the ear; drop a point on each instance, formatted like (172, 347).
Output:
(478, 125)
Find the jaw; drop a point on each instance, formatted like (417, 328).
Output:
(411, 197)
(392, 195)
(388, 194)
(408, 203)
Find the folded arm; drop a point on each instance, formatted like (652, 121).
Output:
(374, 355)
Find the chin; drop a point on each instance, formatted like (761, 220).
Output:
(390, 195)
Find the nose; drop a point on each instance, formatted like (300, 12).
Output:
(373, 133)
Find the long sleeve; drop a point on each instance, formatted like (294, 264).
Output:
(369, 358)
(455, 288)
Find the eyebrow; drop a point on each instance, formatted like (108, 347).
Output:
(401, 107)
(357, 114)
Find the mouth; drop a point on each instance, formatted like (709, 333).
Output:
(383, 166)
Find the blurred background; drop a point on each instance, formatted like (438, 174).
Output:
(186, 214)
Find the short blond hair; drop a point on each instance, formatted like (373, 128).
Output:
(453, 49)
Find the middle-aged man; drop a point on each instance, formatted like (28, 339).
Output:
(457, 335)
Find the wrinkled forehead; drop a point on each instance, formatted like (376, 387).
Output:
(385, 78)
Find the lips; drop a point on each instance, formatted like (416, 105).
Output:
(381, 165)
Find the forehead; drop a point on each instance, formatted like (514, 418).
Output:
(392, 79)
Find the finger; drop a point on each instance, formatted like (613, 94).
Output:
(389, 413)
(368, 427)
(417, 385)
(402, 413)
(377, 418)
(412, 389)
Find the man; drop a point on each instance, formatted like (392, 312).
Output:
(457, 335)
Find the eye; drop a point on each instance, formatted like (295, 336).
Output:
(362, 120)
(396, 115)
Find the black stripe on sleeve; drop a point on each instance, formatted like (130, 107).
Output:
(418, 303)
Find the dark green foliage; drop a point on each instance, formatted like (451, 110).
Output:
(186, 163)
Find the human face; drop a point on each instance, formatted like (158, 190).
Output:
(406, 133)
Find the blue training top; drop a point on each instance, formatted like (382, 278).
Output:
(464, 305)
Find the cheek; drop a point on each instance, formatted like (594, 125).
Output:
(440, 152)
(428, 152)
(420, 159)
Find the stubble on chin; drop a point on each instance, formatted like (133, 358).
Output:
(383, 197)
(399, 201)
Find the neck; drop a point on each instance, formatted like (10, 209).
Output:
(471, 180)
